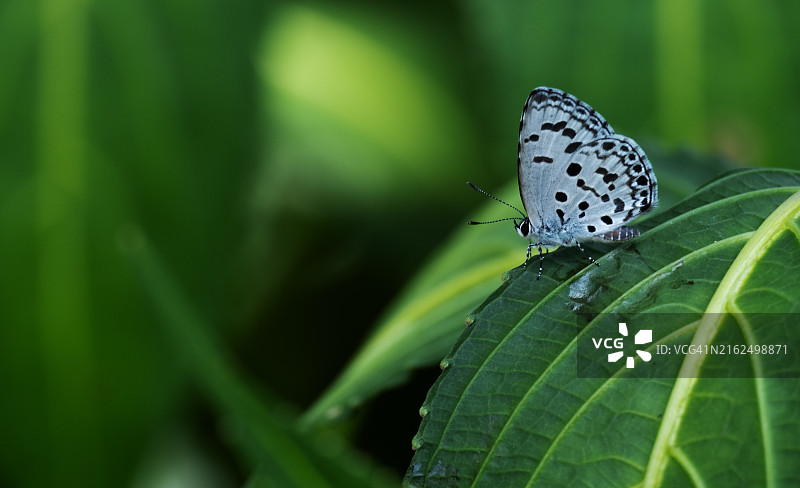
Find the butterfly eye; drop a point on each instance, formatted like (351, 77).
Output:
(523, 229)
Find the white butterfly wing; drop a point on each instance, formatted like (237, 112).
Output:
(553, 126)
(579, 180)
(607, 183)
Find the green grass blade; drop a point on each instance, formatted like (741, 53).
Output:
(63, 278)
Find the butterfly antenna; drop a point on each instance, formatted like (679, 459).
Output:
(494, 197)
(472, 222)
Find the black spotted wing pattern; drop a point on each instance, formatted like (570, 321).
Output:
(578, 180)
(610, 182)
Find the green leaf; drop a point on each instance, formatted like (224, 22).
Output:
(427, 318)
(422, 325)
(511, 410)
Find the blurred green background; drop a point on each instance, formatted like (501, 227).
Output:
(292, 165)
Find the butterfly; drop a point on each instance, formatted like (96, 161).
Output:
(579, 181)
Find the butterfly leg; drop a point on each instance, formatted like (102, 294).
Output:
(528, 255)
(584, 252)
(541, 258)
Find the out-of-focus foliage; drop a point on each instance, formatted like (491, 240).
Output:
(294, 164)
